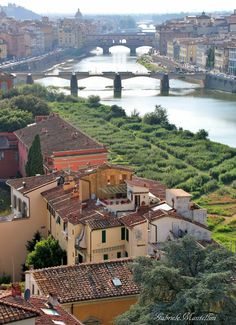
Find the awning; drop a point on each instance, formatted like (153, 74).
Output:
(114, 189)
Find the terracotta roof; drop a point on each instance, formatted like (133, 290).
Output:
(44, 319)
(28, 184)
(104, 222)
(35, 306)
(57, 135)
(11, 310)
(93, 169)
(156, 188)
(70, 209)
(87, 281)
(133, 218)
(159, 214)
(179, 192)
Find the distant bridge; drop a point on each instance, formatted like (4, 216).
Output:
(130, 40)
(117, 78)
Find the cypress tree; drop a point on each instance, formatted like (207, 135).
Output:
(34, 164)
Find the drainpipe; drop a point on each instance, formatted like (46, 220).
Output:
(90, 245)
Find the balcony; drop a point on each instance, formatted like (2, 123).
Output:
(115, 205)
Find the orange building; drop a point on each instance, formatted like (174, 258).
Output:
(95, 293)
(63, 146)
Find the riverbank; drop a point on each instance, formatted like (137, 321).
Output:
(49, 61)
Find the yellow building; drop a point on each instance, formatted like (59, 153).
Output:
(188, 51)
(95, 293)
(28, 216)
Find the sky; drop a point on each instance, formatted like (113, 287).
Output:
(123, 6)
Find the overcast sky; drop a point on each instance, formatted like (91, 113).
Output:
(123, 6)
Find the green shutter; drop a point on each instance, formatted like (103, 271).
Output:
(103, 236)
(127, 234)
(123, 233)
(105, 257)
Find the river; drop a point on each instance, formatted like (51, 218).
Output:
(188, 106)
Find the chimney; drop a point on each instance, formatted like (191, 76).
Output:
(24, 184)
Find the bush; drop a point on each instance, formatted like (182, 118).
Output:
(5, 278)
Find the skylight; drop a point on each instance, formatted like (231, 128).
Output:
(50, 312)
(58, 322)
(116, 282)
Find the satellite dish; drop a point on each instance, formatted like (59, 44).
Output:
(27, 294)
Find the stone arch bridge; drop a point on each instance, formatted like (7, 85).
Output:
(130, 40)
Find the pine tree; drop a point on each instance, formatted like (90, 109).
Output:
(34, 164)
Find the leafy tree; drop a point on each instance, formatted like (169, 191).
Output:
(30, 103)
(159, 116)
(14, 119)
(34, 164)
(210, 61)
(93, 101)
(46, 253)
(202, 134)
(191, 281)
(31, 243)
(116, 112)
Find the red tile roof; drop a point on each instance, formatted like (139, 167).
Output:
(87, 281)
(34, 306)
(104, 222)
(93, 169)
(28, 184)
(11, 310)
(156, 188)
(133, 218)
(57, 135)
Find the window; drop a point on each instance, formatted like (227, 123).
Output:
(123, 233)
(105, 257)
(103, 236)
(14, 202)
(19, 205)
(127, 234)
(1, 155)
(65, 226)
(126, 254)
(118, 255)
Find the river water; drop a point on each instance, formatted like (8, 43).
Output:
(188, 105)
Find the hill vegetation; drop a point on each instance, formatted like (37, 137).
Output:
(154, 148)
(19, 13)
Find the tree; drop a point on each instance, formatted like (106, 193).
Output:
(93, 101)
(34, 164)
(201, 134)
(31, 243)
(14, 119)
(210, 61)
(159, 116)
(191, 282)
(46, 253)
(30, 103)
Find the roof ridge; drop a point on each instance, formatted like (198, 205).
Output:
(118, 261)
(12, 304)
